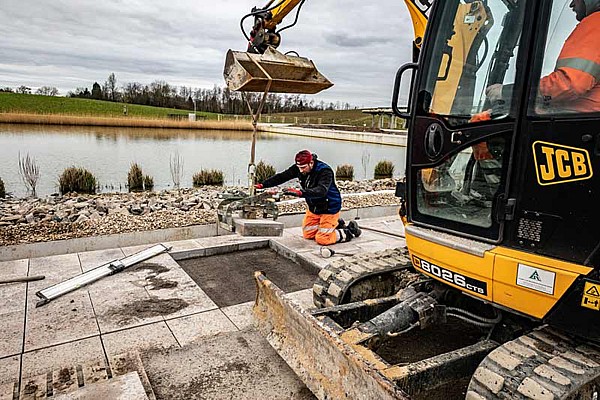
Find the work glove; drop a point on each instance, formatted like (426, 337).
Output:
(258, 186)
(292, 192)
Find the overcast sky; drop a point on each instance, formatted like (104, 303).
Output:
(357, 44)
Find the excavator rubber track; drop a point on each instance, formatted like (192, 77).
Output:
(542, 364)
(273, 72)
(363, 276)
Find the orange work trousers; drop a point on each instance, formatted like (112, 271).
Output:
(320, 227)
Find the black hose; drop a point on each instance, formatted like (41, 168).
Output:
(255, 13)
(295, 19)
(485, 320)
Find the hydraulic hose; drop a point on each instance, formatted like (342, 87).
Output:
(479, 318)
(257, 12)
(471, 321)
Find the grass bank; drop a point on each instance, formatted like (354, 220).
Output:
(35, 104)
(37, 109)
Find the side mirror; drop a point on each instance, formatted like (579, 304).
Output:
(400, 190)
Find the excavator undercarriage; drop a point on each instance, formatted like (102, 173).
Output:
(418, 340)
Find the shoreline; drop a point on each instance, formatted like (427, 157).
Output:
(122, 122)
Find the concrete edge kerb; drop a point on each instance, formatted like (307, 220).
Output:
(77, 245)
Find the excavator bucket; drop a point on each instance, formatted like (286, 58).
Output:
(329, 367)
(333, 362)
(247, 72)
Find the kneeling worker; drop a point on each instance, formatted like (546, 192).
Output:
(322, 220)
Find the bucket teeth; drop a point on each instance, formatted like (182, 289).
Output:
(246, 72)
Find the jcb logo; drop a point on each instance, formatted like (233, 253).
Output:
(559, 164)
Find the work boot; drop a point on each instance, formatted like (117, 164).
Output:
(354, 228)
(341, 224)
(346, 235)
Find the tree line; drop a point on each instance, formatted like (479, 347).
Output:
(162, 94)
(217, 100)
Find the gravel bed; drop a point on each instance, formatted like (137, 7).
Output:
(31, 220)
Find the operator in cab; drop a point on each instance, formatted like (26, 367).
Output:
(322, 219)
(574, 85)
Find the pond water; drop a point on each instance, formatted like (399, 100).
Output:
(109, 152)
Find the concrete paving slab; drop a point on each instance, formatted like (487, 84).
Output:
(129, 362)
(7, 391)
(65, 355)
(185, 249)
(55, 268)
(67, 318)
(304, 298)
(14, 269)
(122, 387)
(312, 259)
(9, 369)
(253, 243)
(156, 335)
(226, 244)
(175, 284)
(378, 245)
(236, 365)
(258, 227)
(12, 297)
(11, 332)
(189, 328)
(93, 259)
(117, 310)
(122, 301)
(129, 250)
(240, 315)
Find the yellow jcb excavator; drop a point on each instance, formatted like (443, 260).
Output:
(497, 295)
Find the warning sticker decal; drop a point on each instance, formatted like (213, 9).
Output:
(591, 296)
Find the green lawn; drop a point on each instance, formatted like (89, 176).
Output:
(35, 104)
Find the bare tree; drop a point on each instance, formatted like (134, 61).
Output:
(29, 171)
(47, 91)
(365, 160)
(176, 163)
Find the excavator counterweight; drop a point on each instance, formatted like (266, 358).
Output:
(279, 73)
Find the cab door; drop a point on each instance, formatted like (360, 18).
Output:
(557, 191)
(461, 139)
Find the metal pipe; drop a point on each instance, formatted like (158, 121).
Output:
(380, 231)
(23, 279)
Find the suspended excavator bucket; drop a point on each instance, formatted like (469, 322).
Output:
(247, 72)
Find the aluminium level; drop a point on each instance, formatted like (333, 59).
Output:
(71, 284)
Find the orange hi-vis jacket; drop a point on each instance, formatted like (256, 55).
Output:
(574, 86)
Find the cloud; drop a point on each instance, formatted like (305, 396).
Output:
(64, 43)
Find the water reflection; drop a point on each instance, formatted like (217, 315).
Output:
(108, 153)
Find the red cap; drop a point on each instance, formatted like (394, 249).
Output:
(303, 157)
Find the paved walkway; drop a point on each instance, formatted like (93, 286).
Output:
(130, 311)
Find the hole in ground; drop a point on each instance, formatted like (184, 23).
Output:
(228, 279)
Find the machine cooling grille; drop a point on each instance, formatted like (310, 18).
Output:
(530, 230)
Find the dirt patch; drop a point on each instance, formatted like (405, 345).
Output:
(152, 307)
(159, 283)
(152, 267)
(153, 282)
(228, 279)
(30, 388)
(421, 344)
